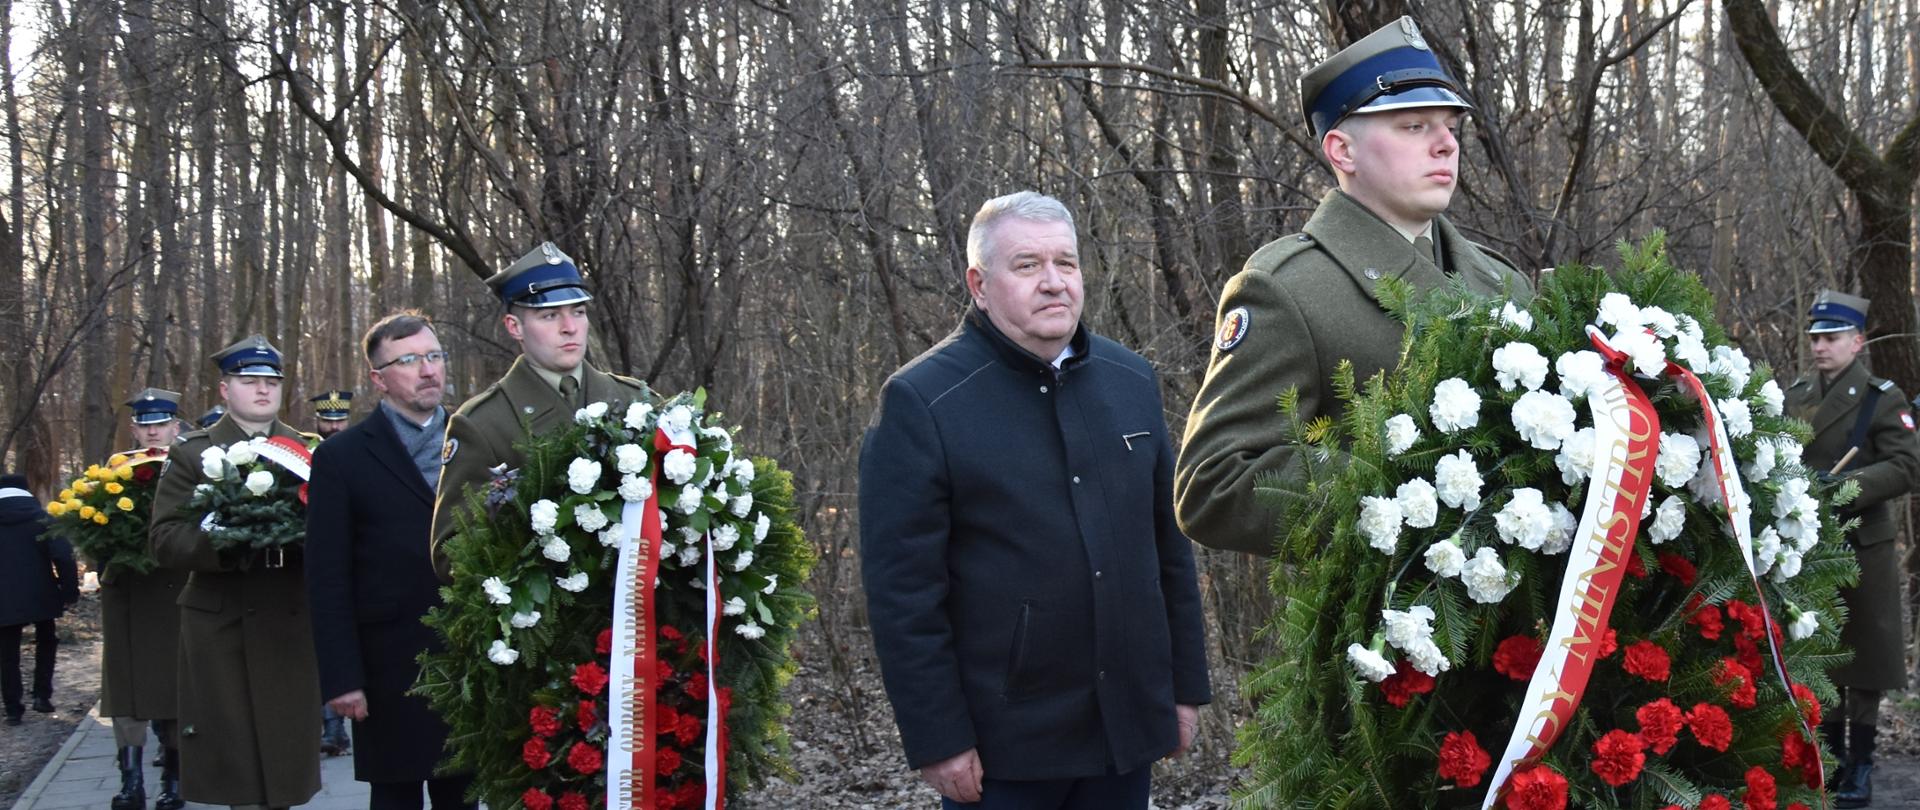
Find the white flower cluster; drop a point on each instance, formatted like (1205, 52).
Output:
(1412, 632)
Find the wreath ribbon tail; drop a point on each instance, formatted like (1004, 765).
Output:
(716, 754)
(633, 681)
(1627, 433)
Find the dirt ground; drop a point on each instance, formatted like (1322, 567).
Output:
(76, 686)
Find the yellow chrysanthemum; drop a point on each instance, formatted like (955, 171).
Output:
(125, 504)
(100, 518)
(87, 512)
(116, 460)
(114, 488)
(56, 509)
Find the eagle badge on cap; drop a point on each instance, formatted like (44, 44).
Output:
(552, 253)
(1413, 33)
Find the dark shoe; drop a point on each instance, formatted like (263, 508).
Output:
(133, 788)
(169, 798)
(333, 737)
(1857, 791)
(43, 706)
(13, 719)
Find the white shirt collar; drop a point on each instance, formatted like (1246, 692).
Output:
(1066, 354)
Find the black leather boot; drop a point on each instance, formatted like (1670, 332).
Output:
(1857, 790)
(333, 737)
(133, 781)
(169, 798)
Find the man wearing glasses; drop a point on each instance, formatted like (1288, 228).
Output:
(546, 313)
(369, 581)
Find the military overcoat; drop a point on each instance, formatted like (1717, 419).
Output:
(249, 691)
(488, 429)
(140, 635)
(1886, 467)
(1302, 305)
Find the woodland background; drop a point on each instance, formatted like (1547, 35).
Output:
(770, 197)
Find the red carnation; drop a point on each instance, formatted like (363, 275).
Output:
(586, 715)
(1752, 624)
(572, 800)
(1608, 644)
(1404, 683)
(666, 760)
(536, 799)
(1711, 726)
(666, 719)
(1647, 660)
(535, 754)
(590, 678)
(1660, 723)
(603, 644)
(1748, 654)
(688, 729)
(545, 721)
(1735, 674)
(585, 758)
(1761, 794)
(1809, 705)
(670, 633)
(1517, 656)
(1462, 759)
(662, 671)
(1636, 568)
(1707, 618)
(1537, 787)
(696, 686)
(1679, 568)
(1618, 757)
(1799, 755)
(1716, 802)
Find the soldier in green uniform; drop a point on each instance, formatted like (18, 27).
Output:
(331, 410)
(1386, 115)
(546, 313)
(141, 627)
(249, 686)
(1863, 431)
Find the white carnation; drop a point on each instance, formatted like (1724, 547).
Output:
(572, 583)
(1668, 520)
(734, 606)
(741, 562)
(1575, 458)
(524, 620)
(543, 515)
(689, 554)
(259, 482)
(556, 549)
(773, 582)
(1445, 558)
(1543, 419)
(1525, 519)
(760, 527)
(679, 466)
(1690, 329)
(741, 470)
(689, 500)
(1648, 354)
(635, 488)
(1371, 665)
(676, 420)
(1761, 465)
(1407, 628)
(613, 535)
(1679, 459)
(1419, 503)
(750, 630)
(1380, 522)
(1804, 625)
(629, 459)
(1692, 353)
(1519, 364)
(742, 505)
(589, 517)
(720, 437)
(1401, 434)
(496, 590)
(637, 415)
(1787, 451)
(1735, 417)
(725, 536)
(1510, 315)
(1660, 321)
(1580, 373)
(502, 654)
(1619, 310)
(1456, 405)
(1773, 401)
(1564, 526)
(1457, 480)
(1486, 579)
(1731, 363)
(1766, 549)
(583, 475)
(590, 413)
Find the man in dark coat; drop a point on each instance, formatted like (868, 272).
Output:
(369, 579)
(37, 583)
(1033, 603)
(1862, 430)
(249, 686)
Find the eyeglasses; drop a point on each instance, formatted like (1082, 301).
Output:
(411, 359)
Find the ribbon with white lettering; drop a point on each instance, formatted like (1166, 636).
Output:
(1627, 435)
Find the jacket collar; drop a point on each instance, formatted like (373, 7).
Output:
(385, 445)
(1369, 249)
(1840, 396)
(226, 431)
(537, 403)
(1015, 355)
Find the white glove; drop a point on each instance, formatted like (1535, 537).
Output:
(208, 523)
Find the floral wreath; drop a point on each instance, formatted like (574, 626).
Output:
(531, 681)
(1444, 546)
(103, 512)
(254, 497)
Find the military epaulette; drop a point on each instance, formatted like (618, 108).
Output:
(1496, 256)
(1884, 385)
(191, 434)
(309, 438)
(633, 381)
(467, 408)
(1275, 254)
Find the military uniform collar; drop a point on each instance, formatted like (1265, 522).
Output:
(1016, 355)
(553, 378)
(1839, 397)
(227, 431)
(1369, 249)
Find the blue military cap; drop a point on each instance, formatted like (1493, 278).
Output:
(545, 277)
(1390, 69)
(253, 356)
(207, 419)
(333, 406)
(1836, 312)
(155, 406)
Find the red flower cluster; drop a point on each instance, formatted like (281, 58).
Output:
(1537, 787)
(1618, 757)
(1679, 568)
(1752, 624)
(1736, 675)
(1710, 725)
(1800, 756)
(1517, 656)
(1707, 618)
(590, 678)
(585, 759)
(1660, 723)
(1748, 654)
(1647, 660)
(1809, 704)
(544, 720)
(586, 715)
(1402, 685)
(1761, 792)
(1462, 759)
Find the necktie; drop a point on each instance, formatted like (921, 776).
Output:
(568, 388)
(1424, 247)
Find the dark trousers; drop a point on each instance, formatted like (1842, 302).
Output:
(1127, 791)
(446, 793)
(44, 644)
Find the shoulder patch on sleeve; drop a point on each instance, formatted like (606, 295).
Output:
(447, 450)
(1234, 324)
(1906, 418)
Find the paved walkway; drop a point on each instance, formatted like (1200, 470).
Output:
(83, 774)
